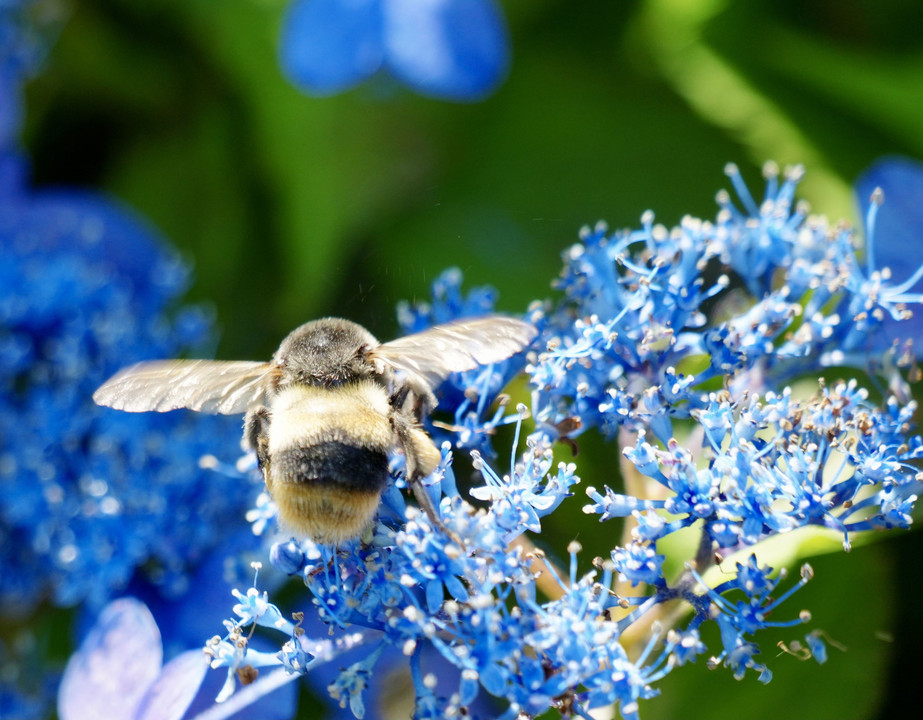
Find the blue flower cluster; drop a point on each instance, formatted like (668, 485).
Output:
(681, 343)
(477, 407)
(93, 500)
(775, 465)
(92, 494)
(86, 287)
(755, 299)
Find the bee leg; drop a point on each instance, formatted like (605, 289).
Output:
(414, 399)
(426, 504)
(256, 436)
(420, 459)
(399, 396)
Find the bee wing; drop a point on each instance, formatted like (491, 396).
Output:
(210, 386)
(456, 346)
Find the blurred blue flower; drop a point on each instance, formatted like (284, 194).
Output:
(93, 499)
(92, 494)
(87, 287)
(447, 49)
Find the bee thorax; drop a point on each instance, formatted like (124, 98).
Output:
(326, 353)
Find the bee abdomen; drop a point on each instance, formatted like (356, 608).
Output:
(328, 458)
(333, 464)
(328, 491)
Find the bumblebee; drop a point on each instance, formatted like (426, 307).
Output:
(326, 413)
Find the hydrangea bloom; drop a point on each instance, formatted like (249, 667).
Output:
(682, 344)
(447, 49)
(93, 499)
(91, 494)
(87, 287)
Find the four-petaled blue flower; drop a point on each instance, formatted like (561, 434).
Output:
(118, 672)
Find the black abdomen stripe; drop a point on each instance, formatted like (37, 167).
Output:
(332, 463)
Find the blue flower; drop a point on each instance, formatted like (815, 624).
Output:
(685, 645)
(118, 672)
(639, 564)
(352, 682)
(93, 499)
(86, 287)
(447, 49)
(529, 492)
(738, 620)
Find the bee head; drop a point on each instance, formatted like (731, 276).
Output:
(326, 352)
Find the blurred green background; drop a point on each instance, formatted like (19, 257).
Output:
(292, 207)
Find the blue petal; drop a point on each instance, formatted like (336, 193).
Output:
(330, 45)
(174, 690)
(899, 225)
(449, 49)
(434, 596)
(493, 679)
(898, 234)
(280, 704)
(117, 662)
